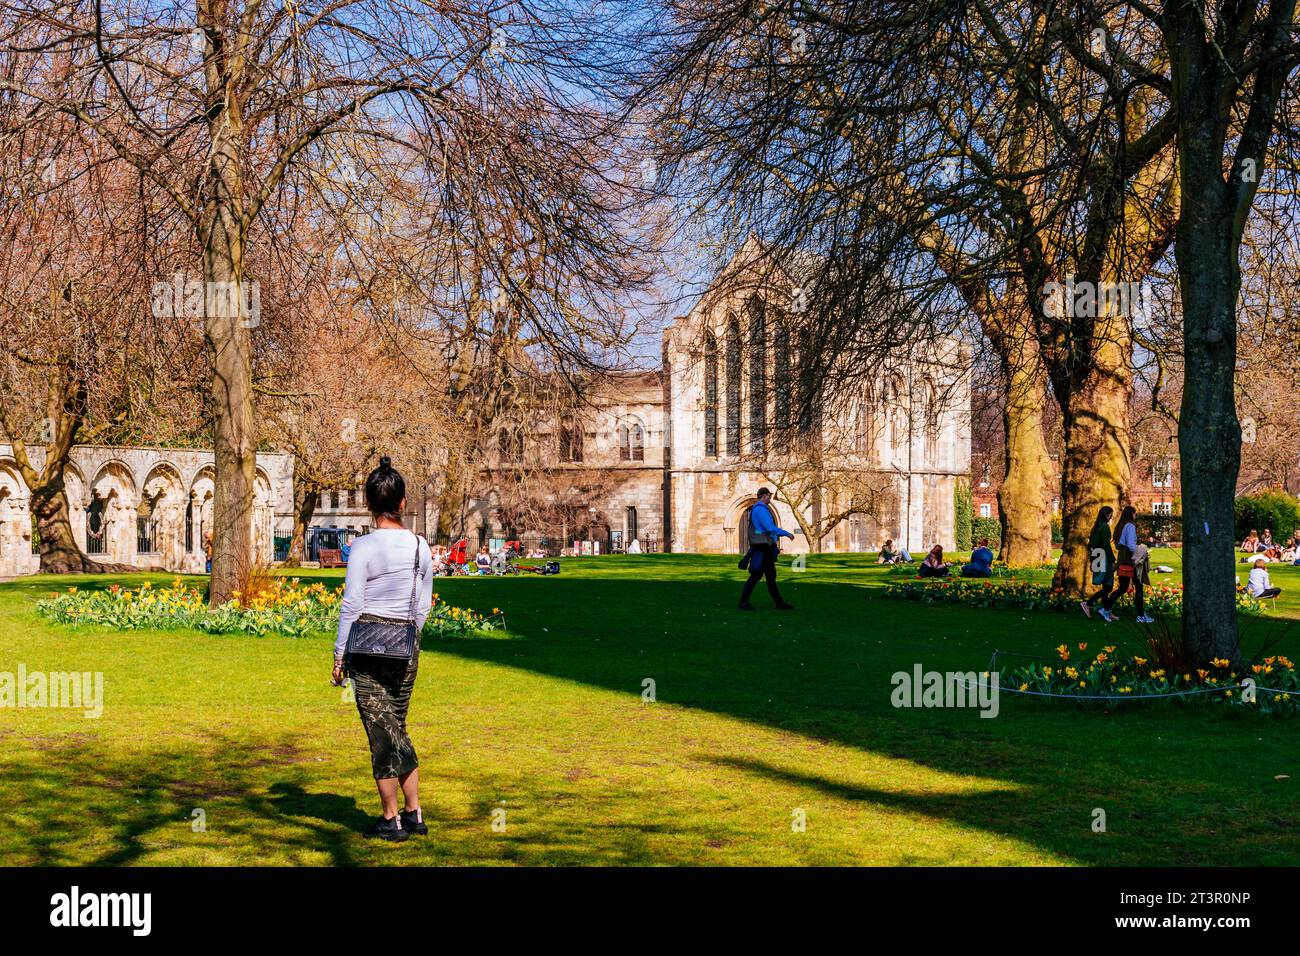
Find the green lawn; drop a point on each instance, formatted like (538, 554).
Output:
(757, 716)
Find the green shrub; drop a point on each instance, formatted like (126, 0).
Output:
(1268, 509)
(963, 504)
(989, 528)
(1058, 533)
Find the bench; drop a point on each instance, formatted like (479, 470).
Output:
(332, 558)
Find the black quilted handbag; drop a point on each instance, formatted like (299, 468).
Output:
(374, 636)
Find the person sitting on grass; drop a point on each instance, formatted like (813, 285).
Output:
(1259, 586)
(887, 553)
(934, 565)
(981, 562)
(484, 560)
(1251, 543)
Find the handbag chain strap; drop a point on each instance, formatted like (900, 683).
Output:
(415, 580)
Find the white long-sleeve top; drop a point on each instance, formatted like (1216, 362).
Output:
(380, 566)
(1258, 583)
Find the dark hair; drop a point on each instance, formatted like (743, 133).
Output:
(762, 492)
(1126, 517)
(385, 489)
(1103, 516)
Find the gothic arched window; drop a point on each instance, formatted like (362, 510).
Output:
(733, 386)
(710, 395)
(931, 412)
(757, 374)
(781, 403)
(510, 444)
(864, 430)
(631, 442)
(570, 439)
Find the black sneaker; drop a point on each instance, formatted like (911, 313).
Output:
(785, 607)
(746, 606)
(413, 822)
(390, 830)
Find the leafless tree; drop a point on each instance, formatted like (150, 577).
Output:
(236, 109)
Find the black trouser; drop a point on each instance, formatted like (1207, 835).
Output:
(767, 554)
(1120, 591)
(1270, 592)
(1107, 583)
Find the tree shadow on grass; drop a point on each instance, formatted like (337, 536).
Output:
(86, 805)
(824, 671)
(112, 808)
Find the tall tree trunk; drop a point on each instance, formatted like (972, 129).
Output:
(1023, 506)
(1209, 439)
(450, 498)
(1096, 467)
(227, 330)
(59, 551)
(1209, 434)
(305, 497)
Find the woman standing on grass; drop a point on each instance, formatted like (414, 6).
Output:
(1101, 559)
(389, 580)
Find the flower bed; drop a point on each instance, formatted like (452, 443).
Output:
(1086, 678)
(284, 607)
(1033, 595)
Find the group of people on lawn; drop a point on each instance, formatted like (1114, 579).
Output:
(1268, 550)
(934, 566)
(1114, 554)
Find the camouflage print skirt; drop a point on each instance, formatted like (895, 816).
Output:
(383, 690)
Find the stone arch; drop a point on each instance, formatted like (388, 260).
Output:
(199, 515)
(162, 509)
(78, 494)
(15, 521)
(263, 516)
(111, 523)
(738, 518)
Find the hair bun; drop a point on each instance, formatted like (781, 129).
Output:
(385, 463)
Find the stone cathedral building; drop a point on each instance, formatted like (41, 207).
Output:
(669, 458)
(681, 450)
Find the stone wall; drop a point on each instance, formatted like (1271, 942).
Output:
(122, 498)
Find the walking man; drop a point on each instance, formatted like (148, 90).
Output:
(764, 536)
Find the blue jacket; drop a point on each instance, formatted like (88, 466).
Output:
(761, 518)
